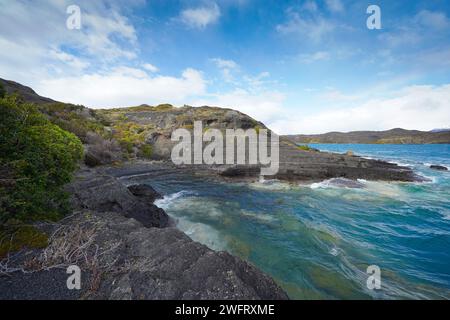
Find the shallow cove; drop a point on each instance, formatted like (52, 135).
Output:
(317, 241)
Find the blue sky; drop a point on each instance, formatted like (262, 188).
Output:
(298, 66)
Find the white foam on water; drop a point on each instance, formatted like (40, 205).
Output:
(258, 216)
(334, 251)
(273, 184)
(194, 205)
(167, 200)
(401, 164)
(202, 233)
(338, 183)
(445, 214)
(371, 190)
(386, 189)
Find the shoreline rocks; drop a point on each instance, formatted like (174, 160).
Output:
(438, 167)
(132, 252)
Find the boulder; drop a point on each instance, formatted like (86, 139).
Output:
(145, 192)
(100, 192)
(439, 168)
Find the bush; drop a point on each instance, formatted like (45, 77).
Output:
(2, 91)
(304, 148)
(146, 151)
(36, 159)
(101, 151)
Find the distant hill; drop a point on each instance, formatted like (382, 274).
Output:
(25, 92)
(393, 136)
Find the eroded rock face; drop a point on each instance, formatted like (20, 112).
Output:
(145, 192)
(161, 262)
(167, 264)
(104, 193)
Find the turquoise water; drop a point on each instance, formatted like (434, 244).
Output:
(317, 240)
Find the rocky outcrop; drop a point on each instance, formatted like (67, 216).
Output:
(145, 192)
(104, 193)
(126, 250)
(296, 164)
(162, 262)
(439, 168)
(167, 264)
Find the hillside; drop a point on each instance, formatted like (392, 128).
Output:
(115, 135)
(393, 136)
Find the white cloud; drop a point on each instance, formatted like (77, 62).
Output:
(227, 68)
(314, 27)
(314, 57)
(222, 63)
(414, 107)
(310, 6)
(123, 86)
(201, 17)
(150, 67)
(44, 26)
(335, 5)
(264, 106)
(434, 20)
(71, 60)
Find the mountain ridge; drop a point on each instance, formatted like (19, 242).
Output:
(392, 136)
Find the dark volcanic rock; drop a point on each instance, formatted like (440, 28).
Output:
(440, 168)
(158, 263)
(167, 264)
(145, 192)
(240, 171)
(143, 263)
(105, 193)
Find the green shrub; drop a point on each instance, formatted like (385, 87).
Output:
(14, 237)
(36, 159)
(2, 91)
(304, 148)
(146, 151)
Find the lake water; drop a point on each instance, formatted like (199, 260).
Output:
(317, 240)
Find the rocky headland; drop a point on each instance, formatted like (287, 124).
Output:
(127, 247)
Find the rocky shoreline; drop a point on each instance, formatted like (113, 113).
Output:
(129, 250)
(142, 254)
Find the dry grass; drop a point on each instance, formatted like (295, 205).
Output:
(70, 244)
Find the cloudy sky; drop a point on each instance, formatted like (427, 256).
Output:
(298, 66)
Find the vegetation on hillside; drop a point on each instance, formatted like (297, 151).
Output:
(36, 159)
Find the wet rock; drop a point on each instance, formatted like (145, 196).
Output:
(167, 264)
(105, 193)
(439, 168)
(145, 192)
(240, 171)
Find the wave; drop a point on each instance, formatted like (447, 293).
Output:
(338, 183)
(271, 184)
(165, 202)
(202, 233)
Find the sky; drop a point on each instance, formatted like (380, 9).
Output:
(310, 66)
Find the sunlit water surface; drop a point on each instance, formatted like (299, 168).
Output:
(317, 240)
